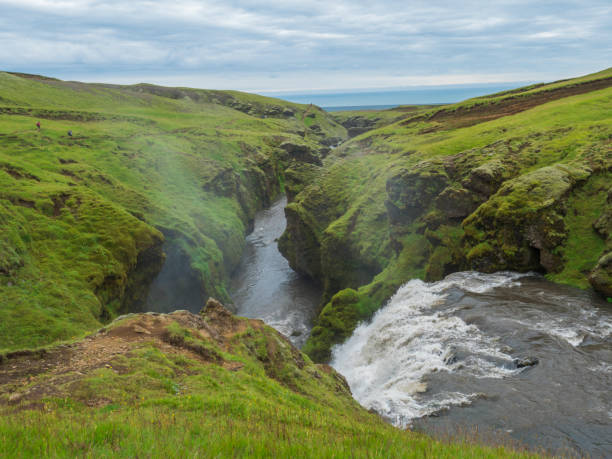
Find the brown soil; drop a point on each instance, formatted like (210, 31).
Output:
(22, 202)
(17, 173)
(28, 376)
(468, 116)
(31, 76)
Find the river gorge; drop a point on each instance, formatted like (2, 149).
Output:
(505, 355)
(445, 270)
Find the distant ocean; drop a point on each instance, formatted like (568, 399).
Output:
(382, 99)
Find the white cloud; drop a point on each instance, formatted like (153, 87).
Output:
(244, 41)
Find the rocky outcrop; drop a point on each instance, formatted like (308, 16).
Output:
(302, 153)
(603, 225)
(601, 276)
(522, 226)
(253, 187)
(213, 340)
(297, 176)
(342, 266)
(358, 125)
(457, 202)
(487, 178)
(410, 192)
(335, 323)
(300, 244)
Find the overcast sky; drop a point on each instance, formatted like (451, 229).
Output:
(293, 45)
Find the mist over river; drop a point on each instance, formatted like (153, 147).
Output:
(503, 353)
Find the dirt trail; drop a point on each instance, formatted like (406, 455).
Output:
(70, 362)
(487, 111)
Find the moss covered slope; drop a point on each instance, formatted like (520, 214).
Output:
(519, 180)
(151, 179)
(186, 385)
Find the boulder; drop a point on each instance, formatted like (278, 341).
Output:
(523, 362)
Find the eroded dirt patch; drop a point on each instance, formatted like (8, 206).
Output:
(480, 113)
(26, 377)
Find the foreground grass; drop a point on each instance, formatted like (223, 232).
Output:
(228, 431)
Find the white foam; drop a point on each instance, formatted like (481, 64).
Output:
(476, 282)
(603, 367)
(386, 361)
(577, 322)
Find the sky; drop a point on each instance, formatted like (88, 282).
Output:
(306, 45)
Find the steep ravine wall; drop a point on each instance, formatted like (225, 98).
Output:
(156, 187)
(179, 283)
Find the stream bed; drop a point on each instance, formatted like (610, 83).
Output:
(502, 355)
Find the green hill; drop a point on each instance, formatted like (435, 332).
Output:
(519, 180)
(150, 174)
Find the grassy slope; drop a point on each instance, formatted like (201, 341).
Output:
(190, 388)
(83, 219)
(498, 182)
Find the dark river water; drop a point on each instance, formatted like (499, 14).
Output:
(506, 355)
(265, 287)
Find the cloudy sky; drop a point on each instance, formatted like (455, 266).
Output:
(292, 45)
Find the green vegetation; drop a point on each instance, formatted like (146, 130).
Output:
(188, 386)
(149, 174)
(154, 192)
(357, 122)
(518, 180)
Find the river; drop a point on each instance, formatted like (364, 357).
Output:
(265, 287)
(505, 355)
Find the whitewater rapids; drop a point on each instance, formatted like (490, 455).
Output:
(517, 353)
